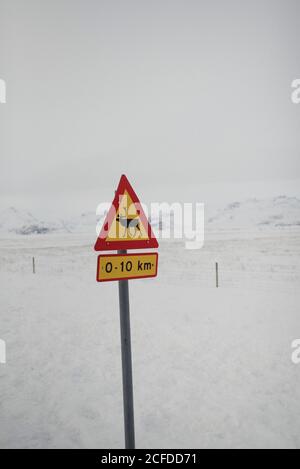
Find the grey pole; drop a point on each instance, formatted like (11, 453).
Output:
(217, 275)
(33, 265)
(126, 362)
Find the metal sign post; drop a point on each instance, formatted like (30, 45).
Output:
(126, 362)
(126, 227)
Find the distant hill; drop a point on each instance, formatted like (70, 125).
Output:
(278, 212)
(22, 222)
(275, 213)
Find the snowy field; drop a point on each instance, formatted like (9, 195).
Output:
(212, 367)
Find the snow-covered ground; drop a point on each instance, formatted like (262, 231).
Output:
(212, 367)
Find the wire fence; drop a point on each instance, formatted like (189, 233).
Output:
(239, 264)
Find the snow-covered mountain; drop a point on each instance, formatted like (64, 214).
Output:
(22, 222)
(83, 223)
(276, 213)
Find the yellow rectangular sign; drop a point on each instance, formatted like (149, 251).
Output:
(126, 266)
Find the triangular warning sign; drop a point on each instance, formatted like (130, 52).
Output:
(126, 225)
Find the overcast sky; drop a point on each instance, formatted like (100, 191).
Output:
(172, 93)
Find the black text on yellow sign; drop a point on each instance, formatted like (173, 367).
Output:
(126, 266)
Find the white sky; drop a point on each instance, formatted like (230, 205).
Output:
(175, 94)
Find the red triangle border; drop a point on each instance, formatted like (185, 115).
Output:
(103, 245)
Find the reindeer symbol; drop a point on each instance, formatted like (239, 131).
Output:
(129, 223)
